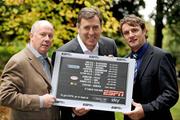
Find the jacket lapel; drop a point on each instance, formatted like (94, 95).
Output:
(50, 65)
(37, 66)
(145, 60)
(76, 46)
(102, 49)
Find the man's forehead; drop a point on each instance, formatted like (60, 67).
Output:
(41, 24)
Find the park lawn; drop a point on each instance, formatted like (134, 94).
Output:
(119, 116)
(176, 110)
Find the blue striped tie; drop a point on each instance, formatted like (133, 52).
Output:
(135, 56)
(46, 67)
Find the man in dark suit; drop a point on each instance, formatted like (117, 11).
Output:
(25, 81)
(155, 84)
(88, 41)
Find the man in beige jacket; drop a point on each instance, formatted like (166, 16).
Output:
(25, 81)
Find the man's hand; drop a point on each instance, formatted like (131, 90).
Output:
(137, 113)
(80, 111)
(48, 100)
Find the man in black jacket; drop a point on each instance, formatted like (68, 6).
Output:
(155, 85)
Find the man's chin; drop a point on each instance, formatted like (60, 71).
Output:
(43, 51)
(92, 45)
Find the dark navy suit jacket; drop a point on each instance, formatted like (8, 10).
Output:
(156, 84)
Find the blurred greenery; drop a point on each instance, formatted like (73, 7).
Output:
(175, 111)
(17, 16)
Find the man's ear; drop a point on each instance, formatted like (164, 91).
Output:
(77, 26)
(30, 35)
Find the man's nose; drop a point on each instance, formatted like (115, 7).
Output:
(131, 33)
(91, 31)
(47, 37)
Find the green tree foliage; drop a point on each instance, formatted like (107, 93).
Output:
(173, 20)
(120, 8)
(168, 10)
(17, 17)
(172, 42)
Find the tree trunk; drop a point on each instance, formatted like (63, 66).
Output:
(159, 24)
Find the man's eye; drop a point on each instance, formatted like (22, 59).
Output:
(43, 34)
(95, 28)
(50, 36)
(134, 30)
(87, 28)
(125, 33)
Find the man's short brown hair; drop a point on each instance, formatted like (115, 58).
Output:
(133, 20)
(88, 13)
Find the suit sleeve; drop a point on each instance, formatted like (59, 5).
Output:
(11, 89)
(168, 89)
(115, 49)
(53, 58)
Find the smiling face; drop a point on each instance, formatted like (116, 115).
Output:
(134, 36)
(89, 24)
(41, 38)
(89, 31)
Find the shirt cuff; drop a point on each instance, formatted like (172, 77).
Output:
(41, 101)
(73, 115)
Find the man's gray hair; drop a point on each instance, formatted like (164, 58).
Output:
(39, 23)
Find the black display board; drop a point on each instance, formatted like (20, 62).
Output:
(96, 82)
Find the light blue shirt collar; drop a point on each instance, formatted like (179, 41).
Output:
(35, 52)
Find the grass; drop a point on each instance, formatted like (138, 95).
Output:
(176, 111)
(119, 116)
